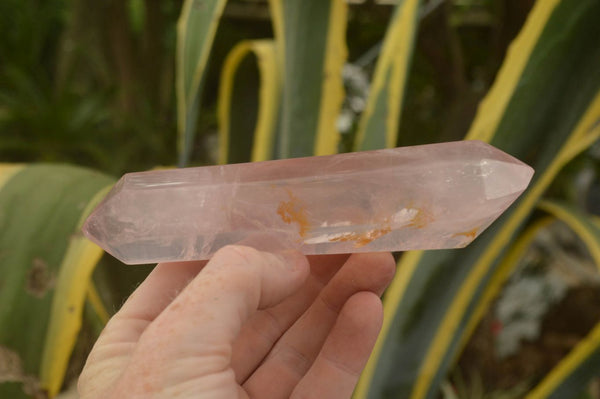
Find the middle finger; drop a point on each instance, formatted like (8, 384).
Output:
(265, 327)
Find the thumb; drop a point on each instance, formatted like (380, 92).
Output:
(193, 336)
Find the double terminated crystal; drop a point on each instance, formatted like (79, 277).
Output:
(424, 197)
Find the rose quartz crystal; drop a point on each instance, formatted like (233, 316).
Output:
(424, 197)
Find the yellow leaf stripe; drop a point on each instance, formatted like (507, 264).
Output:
(67, 304)
(94, 299)
(269, 97)
(493, 106)
(584, 134)
(566, 366)
(393, 295)
(394, 62)
(332, 89)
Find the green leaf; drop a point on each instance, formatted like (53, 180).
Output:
(550, 115)
(196, 30)
(493, 107)
(311, 34)
(246, 126)
(40, 207)
(378, 126)
(73, 283)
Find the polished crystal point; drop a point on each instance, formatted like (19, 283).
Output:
(425, 197)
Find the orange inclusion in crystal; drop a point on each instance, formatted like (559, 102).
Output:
(293, 211)
(469, 234)
(421, 219)
(363, 238)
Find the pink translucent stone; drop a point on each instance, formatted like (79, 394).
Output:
(424, 197)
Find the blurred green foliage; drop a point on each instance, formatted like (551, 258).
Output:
(92, 83)
(87, 82)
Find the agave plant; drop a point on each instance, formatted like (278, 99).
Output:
(543, 107)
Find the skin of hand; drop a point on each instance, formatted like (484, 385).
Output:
(247, 324)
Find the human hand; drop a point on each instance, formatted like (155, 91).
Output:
(250, 325)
